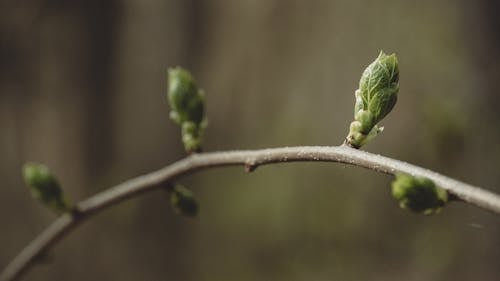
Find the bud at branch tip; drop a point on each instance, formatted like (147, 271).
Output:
(375, 98)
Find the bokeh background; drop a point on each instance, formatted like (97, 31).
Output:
(82, 89)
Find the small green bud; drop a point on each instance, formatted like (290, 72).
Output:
(44, 187)
(190, 137)
(418, 194)
(187, 104)
(183, 201)
(184, 97)
(375, 98)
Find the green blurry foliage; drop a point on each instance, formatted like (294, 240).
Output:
(418, 194)
(183, 201)
(45, 187)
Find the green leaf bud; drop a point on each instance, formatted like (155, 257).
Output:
(183, 201)
(187, 104)
(375, 98)
(191, 137)
(365, 119)
(185, 99)
(418, 194)
(44, 187)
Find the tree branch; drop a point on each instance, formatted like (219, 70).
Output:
(251, 159)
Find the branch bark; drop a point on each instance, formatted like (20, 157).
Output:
(250, 159)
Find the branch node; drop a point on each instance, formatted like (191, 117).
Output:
(250, 167)
(454, 198)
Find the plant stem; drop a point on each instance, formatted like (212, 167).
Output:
(250, 159)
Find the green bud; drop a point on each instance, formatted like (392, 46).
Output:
(185, 99)
(364, 118)
(191, 137)
(375, 98)
(187, 104)
(418, 194)
(183, 201)
(44, 187)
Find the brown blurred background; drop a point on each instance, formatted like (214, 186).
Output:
(82, 89)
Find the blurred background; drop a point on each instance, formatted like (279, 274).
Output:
(83, 89)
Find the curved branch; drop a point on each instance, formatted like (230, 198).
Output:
(251, 159)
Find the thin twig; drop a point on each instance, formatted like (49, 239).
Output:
(250, 159)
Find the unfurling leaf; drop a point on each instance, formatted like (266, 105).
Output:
(375, 98)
